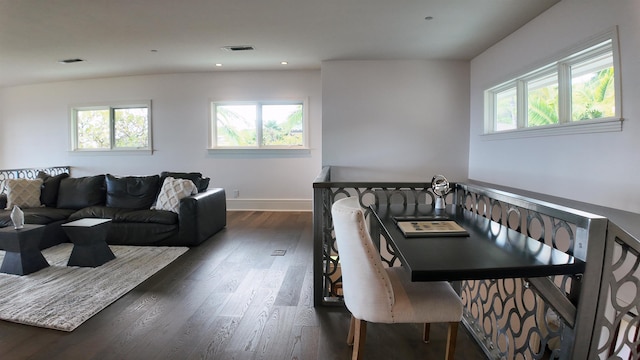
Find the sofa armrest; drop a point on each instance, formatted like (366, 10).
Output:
(202, 215)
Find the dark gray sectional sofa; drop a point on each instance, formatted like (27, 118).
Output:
(127, 201)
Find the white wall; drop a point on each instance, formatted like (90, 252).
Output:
(395, 120)
(34, 131)
(602, 168)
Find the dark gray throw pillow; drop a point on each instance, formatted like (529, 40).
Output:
(50, 187)
(132, 192)
(78, 193)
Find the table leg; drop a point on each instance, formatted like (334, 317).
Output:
(23, 263)
(90, 255)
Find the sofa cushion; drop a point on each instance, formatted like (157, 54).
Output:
(132, 192)
(45, 215)
(201, 183)
(40, 216)
(24, 193)
(172, 191)
(50, 186)
(126, 215)
(147, 216)
(97, 211)
(78, 193)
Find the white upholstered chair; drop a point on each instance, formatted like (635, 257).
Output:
(373, 293)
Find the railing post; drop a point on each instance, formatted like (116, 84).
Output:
(317, 246)
(318, 234)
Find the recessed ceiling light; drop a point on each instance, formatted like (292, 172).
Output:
(218, 65)
(70, 61)
(283, 63)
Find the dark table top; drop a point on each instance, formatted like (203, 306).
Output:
(491, 251)
(11, 230)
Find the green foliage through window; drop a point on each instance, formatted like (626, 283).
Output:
(258, 125)
(131, 128)
(579, 87)
(111, 128)
(93, 129)
(282, 125)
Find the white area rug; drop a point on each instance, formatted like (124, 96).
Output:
(62, 298)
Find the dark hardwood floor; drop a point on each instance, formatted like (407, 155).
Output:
(229, 298)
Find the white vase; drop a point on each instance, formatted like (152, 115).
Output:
(17, 217)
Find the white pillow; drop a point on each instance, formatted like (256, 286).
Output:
(172, 191)
(23, 192)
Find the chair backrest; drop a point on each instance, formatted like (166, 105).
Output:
(368, 293)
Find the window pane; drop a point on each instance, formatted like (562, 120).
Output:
(131, 128)
(236, 125)
(542, 101)
(93, 129)
(282, 125)
(506, 110)
(592, 89)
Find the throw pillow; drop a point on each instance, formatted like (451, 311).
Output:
(204, 184)
(23, 192)
(50, 186)
(132, 192)
(78, 193)
(201, 183)
(172, 191)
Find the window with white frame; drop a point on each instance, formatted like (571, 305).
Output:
(581, 87)
(121, 126)
(258, 125)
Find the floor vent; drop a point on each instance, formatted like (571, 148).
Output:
(278, 252)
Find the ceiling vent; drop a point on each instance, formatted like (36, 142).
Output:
(238, 48)
(70, 61)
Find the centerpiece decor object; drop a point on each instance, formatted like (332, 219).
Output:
(440, 187)
(17, 217)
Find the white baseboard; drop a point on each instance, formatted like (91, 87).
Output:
(269, 205)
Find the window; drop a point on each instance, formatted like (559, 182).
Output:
(111, 127)
(258, 125)
(579, 86)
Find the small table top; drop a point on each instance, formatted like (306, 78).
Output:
(86, 222)
(11, 229)
(491, 251)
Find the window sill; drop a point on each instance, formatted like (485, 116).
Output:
(260, 151)
(111, 152)
(580, 127)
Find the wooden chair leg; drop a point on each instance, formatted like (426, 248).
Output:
(360, 337)
(451, 340)
(352, 330)
(425, 332)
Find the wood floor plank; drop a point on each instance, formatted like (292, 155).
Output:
(289, 294)
(245, 340)
(242, 298)
(304, 343)
(188, 335)
(214, 339)
(276, 338)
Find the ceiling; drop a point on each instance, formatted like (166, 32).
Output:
(133, 37)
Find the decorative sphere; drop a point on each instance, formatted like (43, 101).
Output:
(440, 185)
